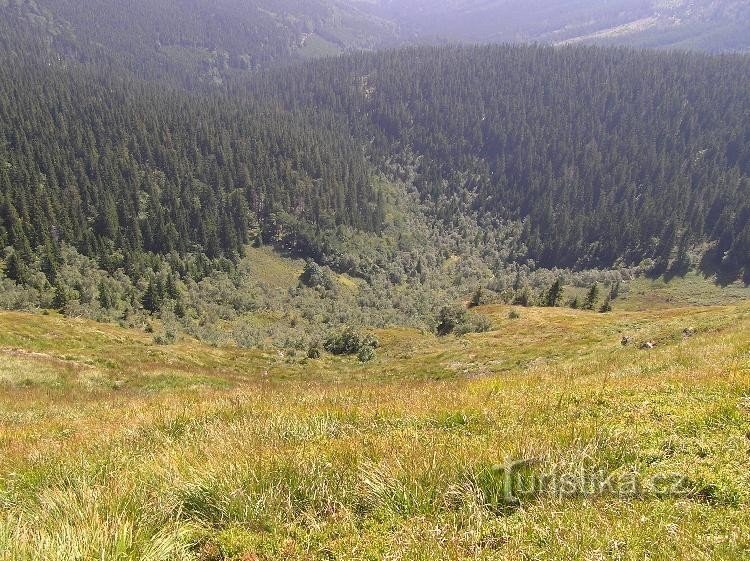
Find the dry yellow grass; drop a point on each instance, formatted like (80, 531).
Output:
(113, 448)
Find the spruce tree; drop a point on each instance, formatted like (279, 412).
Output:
(61, 298)
(152, 297)
(171, 288)
(15, 269)
(476, 298)
(591, 297)
(106, 297)
(554, 294)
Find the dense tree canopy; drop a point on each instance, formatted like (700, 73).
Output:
(191, 42)
(117, 167)
(609, 155)
(586, 157)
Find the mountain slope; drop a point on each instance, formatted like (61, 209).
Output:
(569, 155)
(607, 156)
(708, 25)
(197, 42)
(193, 453)
(119, 167)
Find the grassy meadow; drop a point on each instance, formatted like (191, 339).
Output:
(545, 438)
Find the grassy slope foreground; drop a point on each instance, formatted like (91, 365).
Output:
(114, 448)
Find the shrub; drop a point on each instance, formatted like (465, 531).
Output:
(476, 299)
(483, 296)
(449, 318)
(345, 342)
(523, 298)
(350, 342)
(474, 323)
(313, 352)
(366, 354)
(457, 320)
(370, 340)
(315, 276)
(246, 336)
(168, 336)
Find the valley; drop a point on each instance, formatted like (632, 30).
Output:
(373, 280)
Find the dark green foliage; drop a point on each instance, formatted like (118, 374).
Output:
(204, 43)
(449, 318)
(423, 173)
(313, 352)
(738, 256)
(477, 323)
(50, 263)
(476, 298)
(523, 298)
(171, 290)
(168, 337)
(680, 266)
(582, 173)
(591, 297)
(134, 168)
(179, 309)
(153, 298)
(366, 353)
(315, 276)
(554, 294)
(61, 297)
(606, 306)
(459, 321)
(348, 341)
(614, 292)
(15, 269)
(588, 147)
(106, 297)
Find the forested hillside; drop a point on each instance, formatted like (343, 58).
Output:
(605, 157)
(426, 176)
(608, 156)
(437, 302)
(194, 42)
(116, 167)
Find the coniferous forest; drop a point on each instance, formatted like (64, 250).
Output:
(608, 156)
(107, 164)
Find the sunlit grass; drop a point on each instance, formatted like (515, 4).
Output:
(691, 290)
(114, 448)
